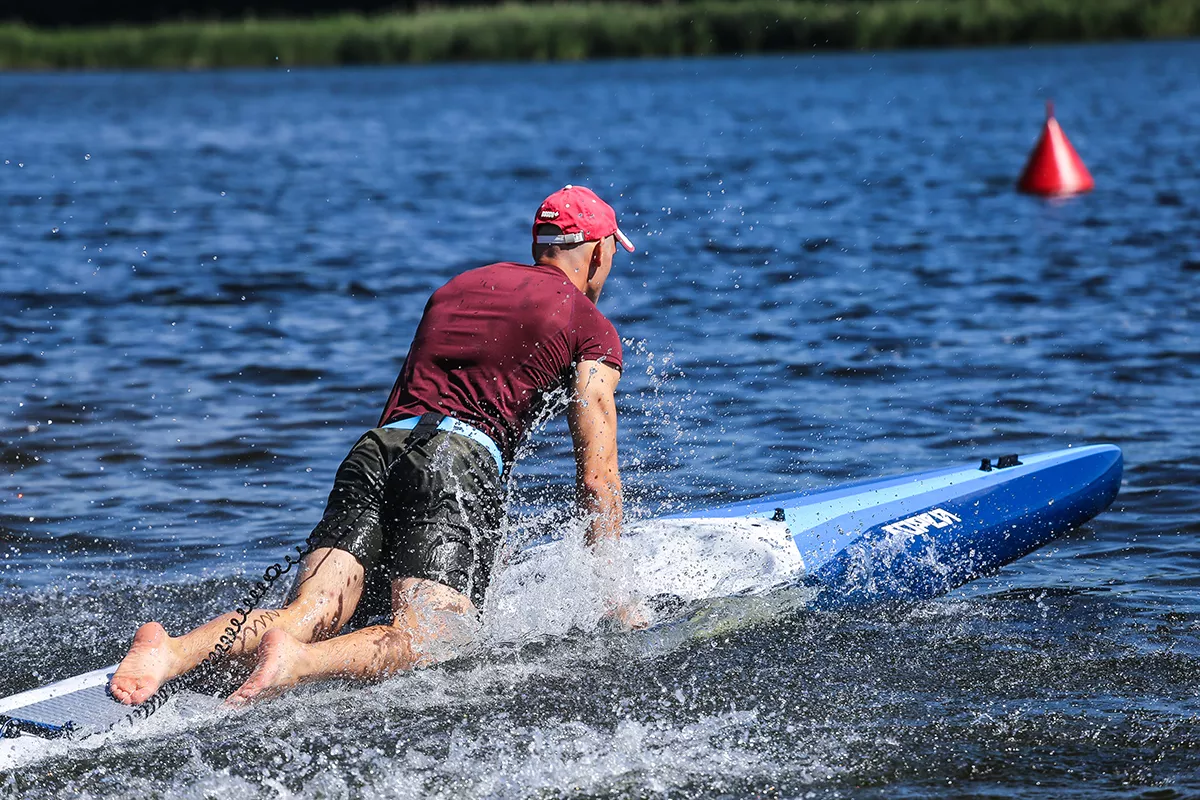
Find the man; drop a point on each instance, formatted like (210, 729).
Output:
(414, 514)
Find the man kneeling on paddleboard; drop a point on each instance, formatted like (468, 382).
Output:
(412, 522)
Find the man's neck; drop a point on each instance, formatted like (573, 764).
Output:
(577, 276)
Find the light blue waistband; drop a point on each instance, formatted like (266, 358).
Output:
(451, 425)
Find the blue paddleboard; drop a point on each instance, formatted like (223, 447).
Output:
(918, 536)
(903, 538)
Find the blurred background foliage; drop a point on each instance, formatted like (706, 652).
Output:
(224, 33)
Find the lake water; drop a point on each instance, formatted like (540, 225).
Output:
(210, 280)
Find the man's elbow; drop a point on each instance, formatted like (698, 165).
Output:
(597, 486)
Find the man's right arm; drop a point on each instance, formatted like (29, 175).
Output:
(593, 420)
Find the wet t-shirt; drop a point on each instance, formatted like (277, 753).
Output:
(493, 341)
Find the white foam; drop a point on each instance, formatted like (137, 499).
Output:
(572, 757)
(561, 585)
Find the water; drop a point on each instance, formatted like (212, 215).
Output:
(210, 280)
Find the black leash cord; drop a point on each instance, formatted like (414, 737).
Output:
(224, 643)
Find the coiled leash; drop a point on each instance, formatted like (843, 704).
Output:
(424, 430)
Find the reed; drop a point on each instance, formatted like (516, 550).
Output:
(517, 32)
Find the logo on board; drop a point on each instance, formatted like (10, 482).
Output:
(921, 523)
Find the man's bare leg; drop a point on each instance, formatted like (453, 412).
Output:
(327, 591)
(429, 620)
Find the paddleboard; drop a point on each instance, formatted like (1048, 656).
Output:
(918, 536)
(896, 539)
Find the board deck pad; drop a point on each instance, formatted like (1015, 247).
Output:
(89, 709)
(901, 538)
(78, 707)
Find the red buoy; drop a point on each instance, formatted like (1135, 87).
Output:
(1054, 168)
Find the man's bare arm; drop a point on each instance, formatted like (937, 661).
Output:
(593, 420)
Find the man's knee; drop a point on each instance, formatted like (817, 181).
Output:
(326, 593)
(440, 622)
(431, 594)
(328, 570)
(417, 595)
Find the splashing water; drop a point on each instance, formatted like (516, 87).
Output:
(562, 585)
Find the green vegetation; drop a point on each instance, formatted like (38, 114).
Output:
(598, 30)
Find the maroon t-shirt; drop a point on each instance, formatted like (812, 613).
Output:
(492, 342)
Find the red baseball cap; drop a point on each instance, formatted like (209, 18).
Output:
(580, 215)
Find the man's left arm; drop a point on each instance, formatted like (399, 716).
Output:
(593, 420)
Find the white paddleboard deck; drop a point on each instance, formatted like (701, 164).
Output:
(80, 703)
(72, 708)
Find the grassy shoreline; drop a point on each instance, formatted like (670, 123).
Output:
(597, 30)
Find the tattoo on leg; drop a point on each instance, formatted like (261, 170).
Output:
(260, 626)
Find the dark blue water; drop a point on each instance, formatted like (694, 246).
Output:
(209, 281)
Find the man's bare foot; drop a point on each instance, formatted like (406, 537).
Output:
(282, 663)
(145, 666)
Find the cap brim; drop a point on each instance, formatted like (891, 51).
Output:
(624, 240)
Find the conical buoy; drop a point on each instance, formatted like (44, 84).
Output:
(1054, 168)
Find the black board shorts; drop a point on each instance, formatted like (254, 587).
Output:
(430, 511)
